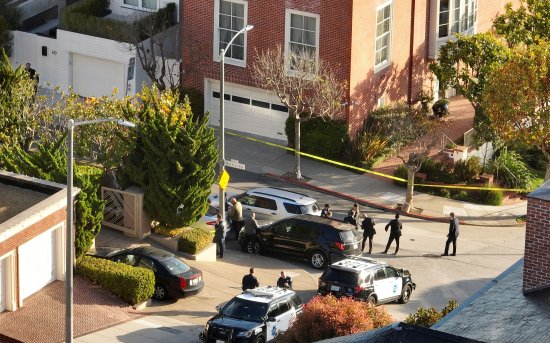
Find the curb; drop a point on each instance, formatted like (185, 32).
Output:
(377, 206)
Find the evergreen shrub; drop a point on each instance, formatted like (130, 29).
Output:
(427, 317)
(194, 240)
(131, 284)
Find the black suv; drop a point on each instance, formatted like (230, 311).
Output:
(365, 279)
(316, 239)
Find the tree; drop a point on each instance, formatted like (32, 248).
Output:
(306, 86)
(465, 64)
(9, 20)
(173, 159)
(517, 98)
(529, 23)
(329, 317)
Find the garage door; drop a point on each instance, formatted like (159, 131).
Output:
(36, 263)
(96, 77)
(249, 110)
(2, 286)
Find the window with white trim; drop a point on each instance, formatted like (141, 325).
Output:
(230, 18)
(302, 36)
(150, 5)
(456, 16)
(383, 36)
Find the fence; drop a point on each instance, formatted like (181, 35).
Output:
(124, 211)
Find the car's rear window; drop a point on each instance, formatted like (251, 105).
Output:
(175, 266)
(341, 276)
(347, 236)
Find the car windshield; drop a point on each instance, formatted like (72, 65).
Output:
(343, 277)
(175, 266)
(310, 209)
(245, 310)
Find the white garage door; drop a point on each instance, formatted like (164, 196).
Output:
(96, 77)
(2, 286)
(37, 263)
(248, 110)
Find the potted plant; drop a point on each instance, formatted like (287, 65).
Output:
(441, 108)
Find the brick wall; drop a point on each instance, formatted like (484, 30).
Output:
(536, 270)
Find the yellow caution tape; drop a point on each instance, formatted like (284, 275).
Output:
(372, 171)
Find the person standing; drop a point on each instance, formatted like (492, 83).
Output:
(219, 236)
(236, 215)
(250, 281)
(250, 229)
(395, 233)
(325, 212)
(353, 216)
(452, 235)
(368, 231)
(284, 281)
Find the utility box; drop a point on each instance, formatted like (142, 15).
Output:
(124, 211)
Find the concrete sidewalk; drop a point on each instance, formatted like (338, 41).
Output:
(365, 189)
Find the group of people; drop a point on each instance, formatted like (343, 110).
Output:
(395, 226)
(250, 281)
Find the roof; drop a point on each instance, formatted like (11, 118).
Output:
(337, 224)
(357, 264)
(542, 192)
(152, 251)
(265, 294)
(283, 194)
(401, 333)
(500, 312)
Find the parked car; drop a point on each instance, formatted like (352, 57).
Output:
(271, 204)
(365, 279)
(256, 315)
(173, 277)
(313, 238)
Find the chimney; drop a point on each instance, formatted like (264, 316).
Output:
(536, 268)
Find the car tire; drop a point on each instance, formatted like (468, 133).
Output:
(318, 259)
(405, 294)
(371, 300)
(160, 292)
(259, 339)
(254, 247)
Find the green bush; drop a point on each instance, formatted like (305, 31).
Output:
(131, 284)
(325, 138)
(467, 170)
(401, 172)
(462, 196)
(509, 167)
(427, 317)
(444, 192)
(196, 99)
(194, 240)
(491, 197)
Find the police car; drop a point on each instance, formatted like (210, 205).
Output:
(256, 315)
(366, 279)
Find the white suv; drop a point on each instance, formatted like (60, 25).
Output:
(256, 315)
(271, 204)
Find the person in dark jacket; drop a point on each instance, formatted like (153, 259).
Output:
(284, 281)
(219, 236)
(326, 213)
(250, 281)
(452, 235)
(395, 233)
(353, 216)
(368, 231)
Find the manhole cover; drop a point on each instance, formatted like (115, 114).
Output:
(431, 256)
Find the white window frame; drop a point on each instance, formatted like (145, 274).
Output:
(216, 48)
(461, 12)
(288, 16)
(140, 6)
(383, 64)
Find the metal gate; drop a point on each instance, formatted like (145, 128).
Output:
(124, 211)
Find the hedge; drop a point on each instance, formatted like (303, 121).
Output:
(132, 284)
(194, 240)
(325, 138)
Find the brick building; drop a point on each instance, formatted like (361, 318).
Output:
(33, 216)
(381, 48)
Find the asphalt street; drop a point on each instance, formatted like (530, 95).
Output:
(483, 253)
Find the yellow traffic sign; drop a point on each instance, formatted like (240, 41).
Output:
(224, 179)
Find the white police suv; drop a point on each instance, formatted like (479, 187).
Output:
(256, 315)
(365, 279)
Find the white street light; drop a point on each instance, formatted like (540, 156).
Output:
(71, 124)
(221, 195)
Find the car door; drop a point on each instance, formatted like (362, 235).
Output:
(380, 284)
(300, 237)
(271, 324)
(281, 240)
(394, 282)
(279, 318)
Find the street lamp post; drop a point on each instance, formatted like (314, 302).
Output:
(71, 124)
(221, 194)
